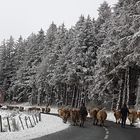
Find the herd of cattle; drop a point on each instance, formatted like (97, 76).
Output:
(98, 115)
(28, 109)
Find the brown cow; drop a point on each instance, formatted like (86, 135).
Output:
(117, 115)
(101, 117)
(132, 116)
(9, 107)
(38, 109)
(60, 112)
(31, 109)
(16, 107)
(47, 110)
(93, 114)
(43, 110)
(21, 108)
(74, 114)
(138, 115)
(64, 113)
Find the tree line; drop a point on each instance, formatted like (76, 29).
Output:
(95, 61)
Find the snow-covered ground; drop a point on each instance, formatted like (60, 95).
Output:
(49, 124)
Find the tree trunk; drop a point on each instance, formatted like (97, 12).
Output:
(125, 88)
(38, 97)
(72, 102)
(73, 96)
(66, 90)
(137, 105)
(120, 98)
(133, 85)
(64, 93)
(128, 86)
(77, 97)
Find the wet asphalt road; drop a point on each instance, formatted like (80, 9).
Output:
(111, 131)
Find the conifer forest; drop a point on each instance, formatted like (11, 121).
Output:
(96, 61)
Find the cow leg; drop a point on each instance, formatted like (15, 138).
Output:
(93, 121)
(118, 121)
(73, 123)
(81, 122)
(76, 122)
(103, 123)
(100, 123)
(96, 122)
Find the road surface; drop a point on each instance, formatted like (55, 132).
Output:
(111, 131)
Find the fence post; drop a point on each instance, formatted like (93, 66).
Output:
(33, 119)
(21, 122)
(36, 118)
(30, 121)
(8, 124)
(26, 121)
(0, 123)
(39, 115)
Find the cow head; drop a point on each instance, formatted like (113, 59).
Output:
(66, 115)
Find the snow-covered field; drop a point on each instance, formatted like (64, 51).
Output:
(48, 124)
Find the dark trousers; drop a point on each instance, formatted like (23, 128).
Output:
(123, 121)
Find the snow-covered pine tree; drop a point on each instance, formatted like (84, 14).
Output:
(113, 56)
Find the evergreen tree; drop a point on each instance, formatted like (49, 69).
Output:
(102, 24)
(112, 65)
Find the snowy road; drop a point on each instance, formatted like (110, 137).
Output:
(51, 127)
(110, 132)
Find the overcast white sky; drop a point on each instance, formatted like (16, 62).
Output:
(22, 17)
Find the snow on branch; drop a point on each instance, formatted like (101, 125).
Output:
(100, 93)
